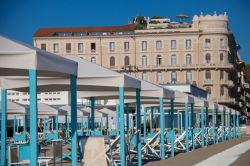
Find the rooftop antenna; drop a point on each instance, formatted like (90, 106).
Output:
(182, 17)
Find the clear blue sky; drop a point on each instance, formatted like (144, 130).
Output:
(20, 19)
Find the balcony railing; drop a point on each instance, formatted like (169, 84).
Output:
(208, 82)
(229, 83)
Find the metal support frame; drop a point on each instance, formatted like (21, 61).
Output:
(229, 125)
(202, 127)
(162, 129)
(122, 133)
(192, 126)
(117, 119)
(217, 125)
(138, 126)
(186, 127)
(223, 126)
(92, 100)
(144, 124)
(3, 125)
(172, 128)
(73, 95)
(207, 125)
(234, 122)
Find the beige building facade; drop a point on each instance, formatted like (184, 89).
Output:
(203, 53)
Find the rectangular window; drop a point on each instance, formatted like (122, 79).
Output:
(145, 76)
(188, 44)
(159, 77)
(93, 47)
(68, 47)
(111, 46)
(56, 47)
(173, 44)
(144, 45)
(221, 75)
(126, 46)
(173, 77)
(189, 76)
(158, 44)
(222, 43)
(43, 46)
(80, 47)
(207, 43)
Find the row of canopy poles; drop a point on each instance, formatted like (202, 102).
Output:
(27, 69)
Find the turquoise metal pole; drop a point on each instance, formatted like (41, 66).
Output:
(162, 128)
(217, 126)
(33, 116)
(57, 127)
(138, 125)
(178, 121)
(117, 117)
(151, 119)
(234, 125)
(92, 100)
(66, 126)
(199, 120)
(238, 121)
(186, 127)
(223, 126)
(229, 125)
(202, 127)
(122, 133)
(192, 125)
(213, 124)
(73, 89)
(14, 128)
(172, 128)
(127, 117)
(144, 124)
(207, 125)
(3, 125)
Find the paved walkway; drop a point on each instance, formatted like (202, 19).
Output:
(203, 154)
(228, 156)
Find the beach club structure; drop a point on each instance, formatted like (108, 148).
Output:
(152, 122)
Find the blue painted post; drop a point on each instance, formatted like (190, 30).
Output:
(192, 125)
(217, 125)
(178, 121)
(144, 124)
(213, 124)
(199, 120)
(66, 126)
(238, 125)
(207, 125)
(57, 127)
(234, 121)
(182, 121)
(117, 117)
(3, 125)
(73, 89)
(162, 129)
(122, 133)
(186, 127)
(92, 100)
(127, 117)
(33, 116)
(172, 128)
(223, 126)
(229, 125)
(151, 119)
(15, 126)
(138, 125)
(202, 127)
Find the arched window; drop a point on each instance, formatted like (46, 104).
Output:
(221, 58)
(208, 58)
(208, 89)
(158, 60)
(93, 60)
(173, 59)
(173, 77)
(144, 60)
(208, 75)
(188, 59)
(126, 61)
(112, 61)
(222, 92)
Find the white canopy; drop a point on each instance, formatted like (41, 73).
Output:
(14, 109)
(16, 58)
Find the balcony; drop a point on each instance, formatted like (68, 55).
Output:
(224, 99)
(208, 82)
